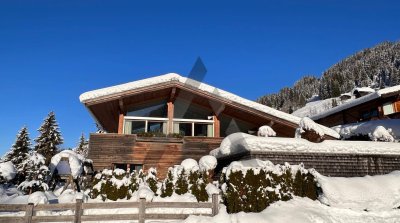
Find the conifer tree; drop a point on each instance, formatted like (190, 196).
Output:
(36, 174)
(19, 153)
(83, 146)
(167, 188)
(181, 185)
(152, 179)
(49, 138)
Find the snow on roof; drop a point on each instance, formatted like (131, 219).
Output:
(365, 128)
(241, 142)
(357, 101)
(173, 77)
(364, 89)
(346, 94)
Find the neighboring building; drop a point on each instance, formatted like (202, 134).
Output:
(381, 104)
(189, 117)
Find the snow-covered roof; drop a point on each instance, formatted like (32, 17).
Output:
(364, 89)
(357, 101)
(240, 142)
(173, 77)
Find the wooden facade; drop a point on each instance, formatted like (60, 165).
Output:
(369, 110)
(106, 150)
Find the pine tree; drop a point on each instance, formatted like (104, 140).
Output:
(152, 179)
(83, 146)
(36, 174)
(19, 153)
(49, 138)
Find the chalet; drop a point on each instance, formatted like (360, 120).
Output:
(381, 104)
(159, 121)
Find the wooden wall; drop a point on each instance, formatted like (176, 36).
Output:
(336, 165)
(353, 114)
(106, 149)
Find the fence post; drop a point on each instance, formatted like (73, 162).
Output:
(142, 210)
(29, 213)
(215, 204)
(78, 211)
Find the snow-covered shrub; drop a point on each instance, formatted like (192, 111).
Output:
(381, 134)
(253, 185)
(309, 130)
(198, 185)
(36, 174)
(7, 172)
(181, 184)
(266, 131)
(167, 187)
(113, 185)
(145, 192)
(152, 180)
(73, 164)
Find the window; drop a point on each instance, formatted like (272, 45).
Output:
(186, 110)
(195, 128)
(369, 114)
(122, 166)
(231, 125)
(388, 108)
(135, 167)
(149, 109)
(134, 125)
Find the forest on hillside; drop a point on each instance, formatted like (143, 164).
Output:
(376, 67)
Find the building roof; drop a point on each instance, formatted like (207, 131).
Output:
(109, 92)
(358, 101)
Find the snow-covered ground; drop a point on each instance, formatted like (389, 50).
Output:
(301, 210)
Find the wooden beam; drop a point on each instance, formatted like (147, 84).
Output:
(173, 94)
(121, 123)
(170, 115)
(217, 126)
(121, 105)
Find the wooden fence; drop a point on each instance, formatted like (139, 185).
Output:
(79, 207)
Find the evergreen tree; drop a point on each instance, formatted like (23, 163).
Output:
(167, 188)
(152, 179)
(83, 146)
(19, 153)
(181, 185)
(36, 174)
(49, 138)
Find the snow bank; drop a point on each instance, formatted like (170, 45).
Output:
(38, 197)
(266, 131)
(366, 128)
(145, 192)
(207, 163)
(173, 77)
(74, 162)
(211, 189)
(189, 165)
(382, 134)
(300, 210)
(361, 193)
(7, 171)
(241, 142)
(70, 196)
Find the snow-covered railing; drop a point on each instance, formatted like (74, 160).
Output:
(79, 207)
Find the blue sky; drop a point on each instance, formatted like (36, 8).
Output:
(52, 51)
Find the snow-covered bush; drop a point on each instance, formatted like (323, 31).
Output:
(36, 174)
(114, 185)
(381, 134)
(7, 172)
(67, 162)
(167, 187)
(252, 185)
(266, 131)
(309, 130)
(152, 180)
(181, 184)
(38, 197)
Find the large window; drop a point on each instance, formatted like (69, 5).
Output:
(194, 127)
(135, 125)
(231, 125)
(184, 109)
(149, 109)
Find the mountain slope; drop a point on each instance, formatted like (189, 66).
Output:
(376, 67)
